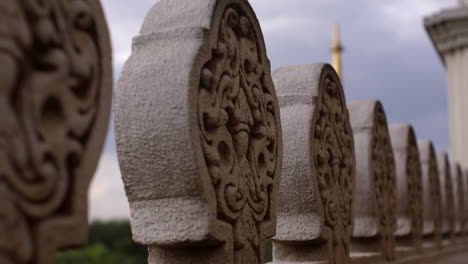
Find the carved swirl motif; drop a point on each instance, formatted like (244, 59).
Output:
(335, 164)
(413, 168)
(239, 131)
(384, 183)
(50, 81)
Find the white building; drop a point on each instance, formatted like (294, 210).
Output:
(448, 30)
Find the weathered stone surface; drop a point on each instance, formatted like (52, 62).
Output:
(459, 197)
(448, 206)
(55, 95)
(317, 182)
(409, 186)
(432, 200)
(198, 134)
(375, 196)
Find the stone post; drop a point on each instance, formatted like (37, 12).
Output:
(432, 200)
(317, 183)
(447, 30)
(375, 195)
(409, 187)
(198, 134)
(459, 200)
(447, 195)
(55, 97)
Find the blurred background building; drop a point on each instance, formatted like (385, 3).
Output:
(448, 30)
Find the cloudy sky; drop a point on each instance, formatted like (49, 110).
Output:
(388, 57)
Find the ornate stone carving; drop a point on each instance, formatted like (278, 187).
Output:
(316, 191)
(409, 186)
(375, 196)
(198, 134)
(447, 195)
(55, 93)
(432, 208)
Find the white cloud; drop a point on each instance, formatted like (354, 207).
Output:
(403, 17)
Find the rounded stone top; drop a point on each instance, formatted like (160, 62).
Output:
(401, 134)
(298, 79)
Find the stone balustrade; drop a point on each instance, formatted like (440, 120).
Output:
(199, 134)
(317, 183)
(375, 195)
(217, 154)
(409, 204)
(447, 196)
(432, 198)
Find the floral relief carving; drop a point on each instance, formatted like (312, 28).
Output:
(384, 183)
(51, 54)
(238, 120)
(334, 159)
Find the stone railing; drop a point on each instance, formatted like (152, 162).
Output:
(218, 154)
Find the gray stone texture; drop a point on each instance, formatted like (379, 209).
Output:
(447, 196)
(409, 186)
(432, 198)
(55, 98)
(375, 196)
(317, 183)
(199, 135)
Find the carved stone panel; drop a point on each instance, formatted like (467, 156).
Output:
(199, 135)
(375, 196)
(459, 197)
(409, 186)
(316, 191)
(447, 195)
(432, 199)
(55, 95)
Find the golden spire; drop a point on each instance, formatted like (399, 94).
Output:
(336, 49)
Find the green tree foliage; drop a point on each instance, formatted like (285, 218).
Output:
(111, 243)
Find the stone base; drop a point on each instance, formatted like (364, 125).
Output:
(453, 254)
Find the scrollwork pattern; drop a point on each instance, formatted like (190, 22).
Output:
(238, 120)
(384, 183)
(49, 94)
(334, 159)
